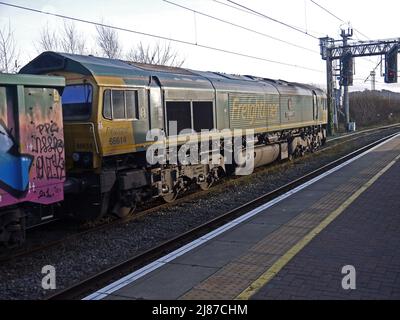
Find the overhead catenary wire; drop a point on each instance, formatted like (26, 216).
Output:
(241, 27)
(257, 15)
(326, 10)
(376, 67)
(158, 37)
(341, 20)
(359, 32)
(336, 17)
(273, 19)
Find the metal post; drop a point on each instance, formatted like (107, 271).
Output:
(330, 98)
(373, 74)
(335, 107)
(346, 104)
(346, 100)
(326, 53)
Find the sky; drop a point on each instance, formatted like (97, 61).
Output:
(376, 20)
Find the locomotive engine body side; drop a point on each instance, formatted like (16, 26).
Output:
(109, 106)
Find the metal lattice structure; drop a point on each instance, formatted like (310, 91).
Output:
(357, 49)
(336, 50)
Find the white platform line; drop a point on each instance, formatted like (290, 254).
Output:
(128, 279)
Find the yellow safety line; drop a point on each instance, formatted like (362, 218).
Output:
(282, 261)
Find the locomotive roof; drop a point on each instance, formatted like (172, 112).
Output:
(87, 65)
(140, 73)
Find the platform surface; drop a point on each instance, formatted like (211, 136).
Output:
(366, 236)
(296, 248)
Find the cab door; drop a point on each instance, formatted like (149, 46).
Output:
(124, 120)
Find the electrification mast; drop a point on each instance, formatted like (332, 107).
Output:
(345, 51)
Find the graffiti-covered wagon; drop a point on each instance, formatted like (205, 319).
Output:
(32, 163)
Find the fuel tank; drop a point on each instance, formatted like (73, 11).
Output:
(261, 157)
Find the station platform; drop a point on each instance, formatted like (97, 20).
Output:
(295, 246)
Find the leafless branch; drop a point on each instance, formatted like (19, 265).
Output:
(8, 50)
(71, 40)
(48, 40)
(157, 54)
(370, 108)
(108, 41)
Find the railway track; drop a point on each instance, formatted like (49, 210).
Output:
(346, 135)
(110, 222)
(101, 279)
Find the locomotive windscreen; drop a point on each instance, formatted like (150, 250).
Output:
(77, 102)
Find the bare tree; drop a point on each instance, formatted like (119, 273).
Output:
(71, 40)
(370, 108)
(8, 50)
(68, 39)
(108, 41)
(48, 40)
(158, 54)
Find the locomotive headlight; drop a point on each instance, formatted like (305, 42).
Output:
(83, 159)
(75, 157)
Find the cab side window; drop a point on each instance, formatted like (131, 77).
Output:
(120, 104)
(107, 105)
(132, 106)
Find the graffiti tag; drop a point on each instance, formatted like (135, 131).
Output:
(49, 152)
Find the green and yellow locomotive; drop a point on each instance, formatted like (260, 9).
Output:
(110, 106)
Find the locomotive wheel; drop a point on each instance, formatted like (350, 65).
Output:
(170, 197)
(206, 184)
(89, 207)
